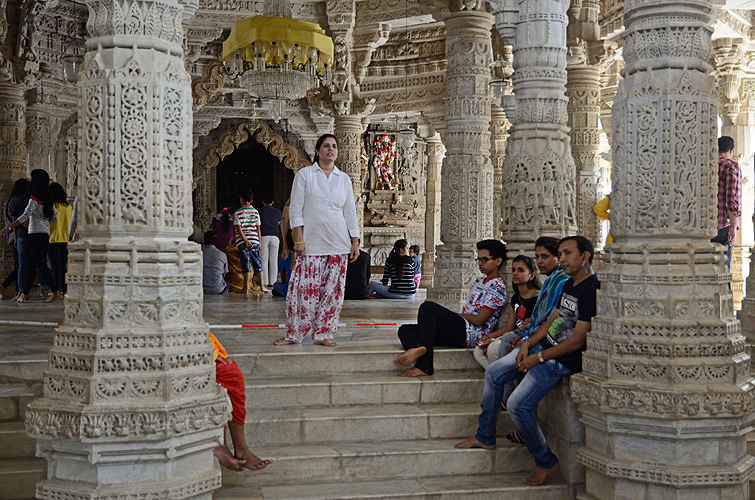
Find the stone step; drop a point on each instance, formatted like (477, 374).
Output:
(19, 477)
(27, 368)
(14, 398)
(362, 389)
(476, 487)
(355, 423)
(14, 443)
(313, 361)
(379, 460)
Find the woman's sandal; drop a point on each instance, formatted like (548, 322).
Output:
(515, 437)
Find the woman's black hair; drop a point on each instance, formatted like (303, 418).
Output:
(58, 194)
(40, 189)
(395, 258)
(319, 143)
(225, 219)
(20, 187)
(534, 282)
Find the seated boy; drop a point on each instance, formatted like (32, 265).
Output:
(437, 325)
(214, 266)
(228, 374)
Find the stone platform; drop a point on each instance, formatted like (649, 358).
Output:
(338, 422)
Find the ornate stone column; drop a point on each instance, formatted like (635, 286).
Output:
(467, 181)
(42, 129)
(666, 392)
(12, 145)
(435, 151)
(539, 187)
(583, 91)
(130, 407)
(348, 131)
(499, 133)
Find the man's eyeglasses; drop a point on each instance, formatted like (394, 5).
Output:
(483, 260)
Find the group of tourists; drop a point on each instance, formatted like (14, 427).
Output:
(39, 224)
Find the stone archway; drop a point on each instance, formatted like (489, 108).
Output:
(203, 178)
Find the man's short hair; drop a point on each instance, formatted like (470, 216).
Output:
(583, 245)
(210, 238)
(247, 195)
(725, 144)
(496, 248)
(549, 243)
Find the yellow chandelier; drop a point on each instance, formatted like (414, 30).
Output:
(278, 58)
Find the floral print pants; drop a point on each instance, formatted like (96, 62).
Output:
(315, 296)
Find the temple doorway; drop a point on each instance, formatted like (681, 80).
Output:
(252, 166)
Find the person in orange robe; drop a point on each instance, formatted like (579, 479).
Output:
(228, 375)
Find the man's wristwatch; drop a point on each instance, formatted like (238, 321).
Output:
(540, 357)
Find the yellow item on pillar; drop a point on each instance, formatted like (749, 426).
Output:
(603, 210)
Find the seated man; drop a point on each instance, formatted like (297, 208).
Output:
(214, 266)
(553, 352)
(437, 325)
(228, 375)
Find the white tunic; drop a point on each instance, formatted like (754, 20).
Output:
(324, 205)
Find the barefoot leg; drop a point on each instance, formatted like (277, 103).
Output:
(539, 476)
(283, 341)
(410, 356)
(412, 372)
(474, 443)
(327, 343)
(242, 453)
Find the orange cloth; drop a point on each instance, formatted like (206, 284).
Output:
(228, 375)
(218, 351)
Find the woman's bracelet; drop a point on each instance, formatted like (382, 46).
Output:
(298, 242)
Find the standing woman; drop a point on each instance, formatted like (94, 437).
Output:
(59, 235)
(13, 208)
(326, 237)
(39, 212)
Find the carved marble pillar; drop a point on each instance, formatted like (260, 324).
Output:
(435, 151)
(666, 392)
(499, 133)
(348, 131)
(583, 91)
(42, 129)
(130, 408)
(539, 186)
(467, 181)
(12, 147)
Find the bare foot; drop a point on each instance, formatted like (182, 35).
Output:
(56, 296)
(473, 443)
(227, 460)
(22, 297)
(539, 476)
(265, 290)
(283, 341)
(410, 356)
(251, 461)
(413, 372)
(327, 343)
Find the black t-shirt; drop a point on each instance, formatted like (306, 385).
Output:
(358, 277)
(522, 308)
(576, 303)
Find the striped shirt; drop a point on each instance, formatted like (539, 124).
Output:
(36, 217)
(247, 219)
(405, 284)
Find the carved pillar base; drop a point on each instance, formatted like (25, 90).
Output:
(130, 407)
(12, 154)
(666, 392)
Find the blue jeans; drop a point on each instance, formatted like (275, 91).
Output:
(522, 404)
(383, 291)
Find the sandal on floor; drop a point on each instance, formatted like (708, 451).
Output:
(515, 437)
(503, 406)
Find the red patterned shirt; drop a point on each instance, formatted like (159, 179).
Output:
(488, 294)
(729, 190)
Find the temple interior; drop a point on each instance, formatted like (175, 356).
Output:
(457, 120)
